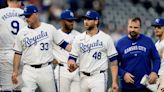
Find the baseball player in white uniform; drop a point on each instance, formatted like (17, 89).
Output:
(159, 32)
(33, 45)
(67, 81)
(10, 24)
(94, 49)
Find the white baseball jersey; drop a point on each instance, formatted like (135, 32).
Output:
(60, 54)
(93, 52)
(35, 45)
(160, 47)
(66, 81)
(10, 23)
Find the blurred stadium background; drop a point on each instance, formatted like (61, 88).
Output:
(114, 13)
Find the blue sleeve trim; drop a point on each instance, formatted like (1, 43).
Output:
(114, 58)
(72, 58)
(121, 72)
(63, 44)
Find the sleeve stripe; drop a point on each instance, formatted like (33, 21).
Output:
(63, 44)
(17, 52)
(60, 42)
(113, 55)
(72, 58)
(114, 58)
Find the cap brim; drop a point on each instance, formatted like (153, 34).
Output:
(69, 18)
(25, 14)
(154, 25)
(87, 17)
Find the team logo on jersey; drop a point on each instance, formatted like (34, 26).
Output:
(29, 41)
(88, 47)
(134, 48)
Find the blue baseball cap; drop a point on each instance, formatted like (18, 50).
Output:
(29, 10)
(67, 15)
(91, 14)
(158, 22)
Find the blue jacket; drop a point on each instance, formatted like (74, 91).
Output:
(138, 57)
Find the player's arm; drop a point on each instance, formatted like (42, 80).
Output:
(68, 47)
(17, 58)
(112, 57)
(128, 77)
(156, 64)
(16, 65)
(73, 56)
(114, 71)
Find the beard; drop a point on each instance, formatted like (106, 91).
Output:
(89, 27)
(68, 27)
(133, 34)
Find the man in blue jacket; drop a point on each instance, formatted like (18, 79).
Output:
(137, 56)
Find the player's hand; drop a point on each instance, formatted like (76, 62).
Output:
(55, 61)
(14, 77)
(114, 87)
(152, 78)
(128, 78)
(72, 66)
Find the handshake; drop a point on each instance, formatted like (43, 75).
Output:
(152, 87)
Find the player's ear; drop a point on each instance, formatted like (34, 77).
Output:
(97, 22)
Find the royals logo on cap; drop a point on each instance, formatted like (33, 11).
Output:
(29, 9)
(91, 14)
(158, 22)
(67, 15)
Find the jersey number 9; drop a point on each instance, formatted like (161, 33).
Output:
(15, 26)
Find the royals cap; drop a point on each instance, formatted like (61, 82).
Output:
(91, 14)
(158, 22)
(29, 10)
(67, 15)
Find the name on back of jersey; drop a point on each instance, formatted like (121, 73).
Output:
(10, 14)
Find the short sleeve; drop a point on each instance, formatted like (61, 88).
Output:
(75, 48)
(17, 44)
(111, 50)
(57, 36)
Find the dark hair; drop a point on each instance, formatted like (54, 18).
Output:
(134, 19)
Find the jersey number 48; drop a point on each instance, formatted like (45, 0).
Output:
(97, 55)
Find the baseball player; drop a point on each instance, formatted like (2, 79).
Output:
(33, 45)
(158, 24)
(94, 49)
(10, 24)
(67, 81)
